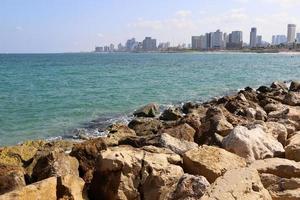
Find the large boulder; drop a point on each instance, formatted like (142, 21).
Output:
(145, 126)
(292, 150)
(150, 110)
(53, 163)
(211, 162)
(278, 131)
(181, 131)
(279, 85)
(124, 172)
(194, 120)
(11, 178)
(292, 99)
(236, 184)
(190, 187)
(87, 154)
(295, 86)
(117, 132)
(54, 188)
(171, 114)
(252, 144)
(163, 140)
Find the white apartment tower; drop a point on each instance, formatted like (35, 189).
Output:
(291, 33)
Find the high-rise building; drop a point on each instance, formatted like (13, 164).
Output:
(298, 38)
(235, 40)
(209, 40)
(291, 33)
(217, 40)
(111, 47)
(149, 44)
(279, 39)
(196, 42)
(203, 42)
(253, 37)
(98, 49)
(259, 41)
(131, 44)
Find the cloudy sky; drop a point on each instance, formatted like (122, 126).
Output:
(80, 25)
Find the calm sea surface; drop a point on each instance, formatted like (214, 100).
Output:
(47, 95)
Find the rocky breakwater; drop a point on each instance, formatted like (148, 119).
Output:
(242, 146)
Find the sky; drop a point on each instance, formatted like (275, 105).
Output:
(48, 26)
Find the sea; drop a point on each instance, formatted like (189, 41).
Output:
(52, 96)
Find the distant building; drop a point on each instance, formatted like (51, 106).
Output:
(217, 40)
(203, 42)
(196, 42)
(259, 42)
(98, 49)
(111, 47)
(106, 49)
(149, 44)
(291, 33)
(235, 40)
(120, 47)
(131, 44)
(279, 39)
(164, 45)
(298, 38)
(253, 37)
(209, 40)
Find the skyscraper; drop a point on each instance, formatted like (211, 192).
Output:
(218, 40)
(253, 37)
(291, 33)
(149, 44)
(196, 42)
(235, 40)
(298, 38)
(259, 41)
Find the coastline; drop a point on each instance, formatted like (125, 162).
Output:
(171, 153)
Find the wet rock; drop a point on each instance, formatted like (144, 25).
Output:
(125, 172)
(279, 85)
(241, 183)
(54, 163)
(295, 86)
(171, 114)
(252, 144)
(182, 131)
(150, 110)
(11, 178)
(264, 89)
(189, 107)
(145, 126)
(211, 162)
(292, 150)
(87, 153)
(190, 187)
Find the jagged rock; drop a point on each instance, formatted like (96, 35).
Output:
(281, 188)
(145, 126)
(295, 86)
(273, 107)
(278, 131)
(264, 89)
(292, 149)
(87, 153)
(125, 172)
(236, 184)
(292, 99)
(279, 85)
(193, 120)
(210, 162)
(52, 163)
(190, 187)
(20, 154)
(182, 131)
(162, 140)
(11, 178)
(189, 107)
(171, 114)
(150, 110)
(116, 132)
(60, 188)
(252, 144)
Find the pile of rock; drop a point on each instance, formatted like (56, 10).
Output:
(243, 146)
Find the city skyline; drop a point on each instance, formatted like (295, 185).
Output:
(66, 26)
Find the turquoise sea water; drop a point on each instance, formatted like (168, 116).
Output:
(47, 95)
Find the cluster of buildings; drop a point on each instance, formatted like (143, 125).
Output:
(291, 38)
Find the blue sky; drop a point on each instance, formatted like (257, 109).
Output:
(79, 25)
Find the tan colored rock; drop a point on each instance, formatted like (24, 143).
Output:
(149, 110)
(252, 144)
(117, 132)
(292, 149)
(171, 114)
(194, 121)
(238, 184)
(182, 131)
(211, 162)
(11, 178)
(295, 86)
(60, 188)
(292, 99)
(145, 126)
(278, 131)
(124, 172)
(190, 187)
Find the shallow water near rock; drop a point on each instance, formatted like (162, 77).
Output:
(49, 95)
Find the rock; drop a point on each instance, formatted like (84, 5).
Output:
(295, 86)
(11, 178)
(54, 163)
(264, 89)
(189, 107)
(162, 140)
(278, 166)
(20, 154)
(145, 126)
(252, 144)
(292, 149)
(87, 153)
(281, 188)
(278, 131)
(273, 107)
(211, 162)
(279, 85)
(292, 99)
(190, 187)
(182, 131)
(261, 114)
(117, 132)
(125, 172)
(171, 114)
(54, 188)
(236, 184)
(150, 110)
(193, 120)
